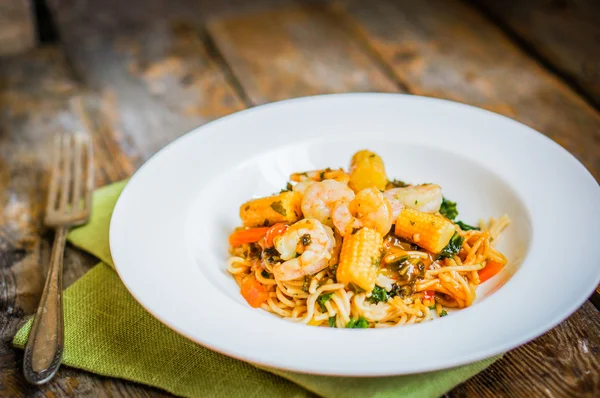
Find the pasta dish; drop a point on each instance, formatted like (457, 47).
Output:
(354, 249)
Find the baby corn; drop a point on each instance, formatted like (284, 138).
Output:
(367, 170)
(429, 231)
(359, 259)
(284, 207)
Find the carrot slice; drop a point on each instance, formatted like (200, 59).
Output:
(273, 232)
(490, 269)
(254, 292)
(251, 235)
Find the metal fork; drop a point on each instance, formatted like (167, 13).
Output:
(69, 204)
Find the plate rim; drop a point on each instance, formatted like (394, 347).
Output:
(205, 129)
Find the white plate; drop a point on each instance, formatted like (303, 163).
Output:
(168, 233)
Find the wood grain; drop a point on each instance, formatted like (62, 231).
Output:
(155, 77)
(17, 32)
(564, 362)
(294, 59)
(565, 33)
(38, 97)
(446, 49)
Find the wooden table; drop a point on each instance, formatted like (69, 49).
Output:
(137, 76)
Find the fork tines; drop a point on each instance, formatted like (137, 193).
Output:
(71, 180)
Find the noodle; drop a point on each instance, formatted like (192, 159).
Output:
(413, 285)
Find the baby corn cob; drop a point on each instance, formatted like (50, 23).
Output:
(359, 259)
(367, 170)
(429, 231)
(284, 207)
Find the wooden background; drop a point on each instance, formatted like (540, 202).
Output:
(139, 75)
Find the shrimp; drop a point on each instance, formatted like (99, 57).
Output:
(425, 197)
(302, 186)
(314, 242)
(319, 198)
(368, 209)
(321, 175)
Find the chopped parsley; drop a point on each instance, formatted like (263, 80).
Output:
(378, 294)
(323, 299)
(453, 246)
(432, 307)
(332, 321)
(288, 187)
(265, 274)
(466, 227)
(278, 208)
(361, 323)
(397, 184)
(305, 284)
(443, 313)
(448, 209)
(305, 239)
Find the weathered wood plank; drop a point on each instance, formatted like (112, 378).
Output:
(292, 52)
(446, 49)
(38, 98)
(155, 74)
(17, 26)
(565, 33)
(564, 362)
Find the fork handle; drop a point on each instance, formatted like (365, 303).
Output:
(44, 349)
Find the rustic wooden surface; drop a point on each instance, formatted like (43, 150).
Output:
(563, 32)
(137, 77)
(17, 26)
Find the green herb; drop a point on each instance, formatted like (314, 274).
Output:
(448, 209)
(323, 299)
(466, 227)
(355, 289)
(305, 239)
(360, 323)
(397, 184)
(332, 321)
(453, 246)
(271, 252)
(378, 294)
(278, 207)
(322, 175)
(416, 201)
(265, 274)
(432, 307)
(305, 284)
(288, 187)
(443, 313)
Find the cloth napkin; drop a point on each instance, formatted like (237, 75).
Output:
(107, 332)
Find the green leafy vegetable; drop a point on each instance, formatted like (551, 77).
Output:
(323, 299)
(397, 184)
(453, 246)
(305, 239)
(360, 323)
(378, 294)
(448, 209)
(466, 227)
(332, 321)
(443, 313)
(432, 307)
(278, 207)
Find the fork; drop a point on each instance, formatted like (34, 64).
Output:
(69, 204)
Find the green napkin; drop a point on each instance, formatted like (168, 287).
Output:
(107, 332)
